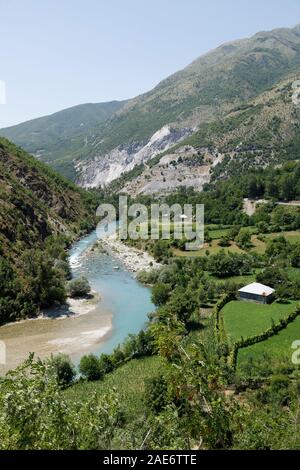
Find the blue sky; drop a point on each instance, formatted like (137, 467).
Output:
(59, 53)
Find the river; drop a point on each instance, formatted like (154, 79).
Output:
(122, 309)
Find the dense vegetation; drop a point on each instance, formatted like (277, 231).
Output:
(40, 214)
(207, 372)
(175, 385)
(56, 138)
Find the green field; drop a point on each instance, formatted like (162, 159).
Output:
(292, 237)
(218, 233)
(257, 245)
(278, 347)
(244, 319)
(213, 250)
(245, 279)
(127, 380)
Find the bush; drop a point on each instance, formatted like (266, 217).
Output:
(64, 369)
(89, 367)
(79, 287)
(160, 294)
(155, 396)
(64, 268)
(243, 240)
(105, 364)
(148, 277)
(224, 242)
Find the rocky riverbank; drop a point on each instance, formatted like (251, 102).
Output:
(133, 259)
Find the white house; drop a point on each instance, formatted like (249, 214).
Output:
(256, 292)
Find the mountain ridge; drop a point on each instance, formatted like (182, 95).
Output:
(209, 88)
(51, 137)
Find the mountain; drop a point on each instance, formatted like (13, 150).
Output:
(41, 213)
(53, 139)
(36, 202)
(210, 89)
(259, 133)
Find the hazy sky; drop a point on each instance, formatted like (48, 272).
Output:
(58, 53)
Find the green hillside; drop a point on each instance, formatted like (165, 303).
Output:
(213, 84)
(40, 214)
(54, 138)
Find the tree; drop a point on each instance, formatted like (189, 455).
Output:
(211, 292)
(295, 257)
(243, 239)
(229, 264)
(64, 369)
(272, 277)
(263, 227)
(79, 287)
(160, 293)
(203, 297)
(288, 187)
(43, 284)
(155, 395)
(183, 303)
(196, 384)
(224, 242)
(89, 367)
(35, 414)
(105, 364)
(277, 247)
(167, 334)
(9, 292)
(161, 250)
(233, 232)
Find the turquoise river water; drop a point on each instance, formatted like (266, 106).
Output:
(122, 309)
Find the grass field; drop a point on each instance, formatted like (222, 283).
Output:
(246, 279)
(213, 250)
(292, 237)
(244, 319)
(218, 233)
(278, 347)
(257, 245)
(128, 381)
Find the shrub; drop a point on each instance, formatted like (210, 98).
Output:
(79, 287)
(155, 396)
(160, 294)
(64, 268)
(89, 367)
(148, 277)
(224, 242)
(243, 239)
(105, 364)
(64, 369)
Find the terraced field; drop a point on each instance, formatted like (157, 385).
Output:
(244, 319)
(278, 347)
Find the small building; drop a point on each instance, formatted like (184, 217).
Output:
(257, 293)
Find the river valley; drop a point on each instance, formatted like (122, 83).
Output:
(97, 326)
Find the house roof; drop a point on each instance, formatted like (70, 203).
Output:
(258, 289)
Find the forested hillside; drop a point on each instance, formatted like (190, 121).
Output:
(40, 214)
(55, 138)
